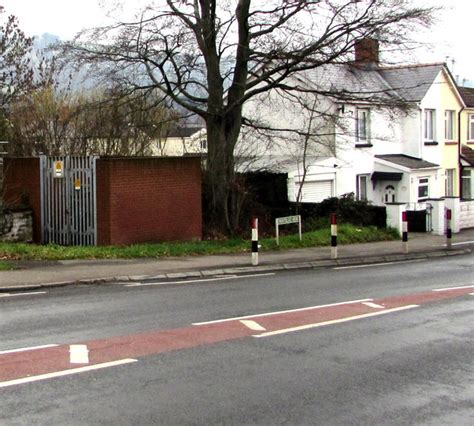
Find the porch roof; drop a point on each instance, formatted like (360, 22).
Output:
(384, 176)
(407, 161)
(467, 154)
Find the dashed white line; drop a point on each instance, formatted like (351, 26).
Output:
(282, 312)
(373, 305)
(65, 372)
(338, 321)
(31, 348)
(453, 288)
(33, 293)
(253, 325)
(200, 280)
(78, 354)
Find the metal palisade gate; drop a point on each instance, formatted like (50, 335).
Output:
(68, 200)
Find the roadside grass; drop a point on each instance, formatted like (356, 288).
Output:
(347, 234)
(5, 266)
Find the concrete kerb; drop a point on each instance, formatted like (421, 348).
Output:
(209, 273)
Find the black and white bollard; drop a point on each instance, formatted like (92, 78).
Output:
(333, 236)
(404, 232)
(254, 241)
(449, 231)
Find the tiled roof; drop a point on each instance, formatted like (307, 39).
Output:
(346, 81)
(467, 94)
(467, 154)
(182, 132)
(411, 81)
(365, 83)
(412, 163)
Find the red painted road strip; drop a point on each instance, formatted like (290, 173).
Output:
(35, 362)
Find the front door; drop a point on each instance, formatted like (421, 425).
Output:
(389, 194)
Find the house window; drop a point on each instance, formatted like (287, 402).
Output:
(449, 124)
(449, 183)
(470, 127)
(423, 188)
(362, 125)
(362, 184)
(430, 124)
(203, 143)
(466, 182)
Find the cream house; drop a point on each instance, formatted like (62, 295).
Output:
(466, 139)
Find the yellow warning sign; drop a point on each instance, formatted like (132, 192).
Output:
(58, 169)
(77, 184)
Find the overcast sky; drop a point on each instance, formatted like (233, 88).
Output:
(65, 18)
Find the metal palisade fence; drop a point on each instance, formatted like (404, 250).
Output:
(68, 200)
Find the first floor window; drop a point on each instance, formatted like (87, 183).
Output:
(362, 124)
(449, 183)
(449, 124)
(423, 188)
(362, 184)
(467, 184)
(430, 124)
(470, 127)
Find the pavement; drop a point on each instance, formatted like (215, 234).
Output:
(30, 275)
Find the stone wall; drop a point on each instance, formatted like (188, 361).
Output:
(16, 226)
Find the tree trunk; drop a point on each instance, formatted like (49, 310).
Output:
(222, 135)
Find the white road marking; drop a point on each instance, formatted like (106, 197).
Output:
(453, 288)
(338, 321)
(65, 372)
(200, 280)
(374, 265)
(459, 243)
(253, 325)
(78, 354)
(31, 348)
(282, 312)
(373, 305)
(33, 293)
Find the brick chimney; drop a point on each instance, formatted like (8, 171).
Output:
(367, 51)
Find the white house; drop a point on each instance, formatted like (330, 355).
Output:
(179, 141)
(386, 134)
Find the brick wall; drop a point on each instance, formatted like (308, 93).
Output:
(148, 200)
(138, 199)
(22, 186)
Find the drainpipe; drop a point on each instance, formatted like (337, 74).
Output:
(420, 132)
(459, 153)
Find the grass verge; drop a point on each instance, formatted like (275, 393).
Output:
(5, 266)
(347, 234)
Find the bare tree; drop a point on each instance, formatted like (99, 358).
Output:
(16, 74)
(56, 120)
(212, 56)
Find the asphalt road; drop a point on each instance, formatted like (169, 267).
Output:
(370, 345)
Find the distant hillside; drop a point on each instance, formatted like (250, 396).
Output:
(44, 41)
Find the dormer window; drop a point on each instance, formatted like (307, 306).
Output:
(429, 124)
(362, 125)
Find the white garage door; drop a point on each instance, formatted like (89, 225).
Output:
(315, 192)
